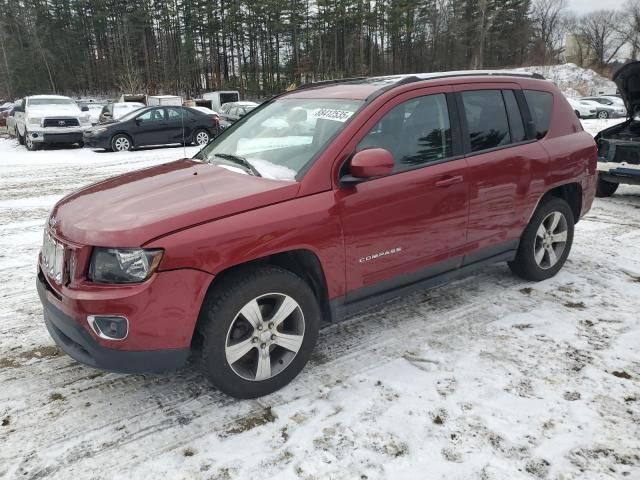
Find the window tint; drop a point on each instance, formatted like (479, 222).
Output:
(486, 119)
(540, 104)
(416, 132)
(515, 117)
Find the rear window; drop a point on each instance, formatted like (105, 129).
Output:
(228, 97)
(540, 105)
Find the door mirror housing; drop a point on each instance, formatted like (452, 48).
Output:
(368, 164)
(84, 109)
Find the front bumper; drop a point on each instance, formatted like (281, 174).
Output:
(96, 141)
(162, 315)
(82, 347)
(619, 172)
(52, 135)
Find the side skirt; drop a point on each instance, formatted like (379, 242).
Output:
(341, 308)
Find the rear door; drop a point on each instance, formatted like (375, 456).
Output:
(180, 124)
(503, 160)
(412, 224)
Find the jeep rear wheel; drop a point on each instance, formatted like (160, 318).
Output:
(259, 327)
(605, 189)
(546, 242)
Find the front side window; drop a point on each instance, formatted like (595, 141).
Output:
(486, 119)
(416, 132)
(154, 115)
(280, 139)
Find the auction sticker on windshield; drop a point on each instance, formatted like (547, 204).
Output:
(333, 114)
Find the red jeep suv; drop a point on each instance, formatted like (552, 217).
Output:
(320, 202)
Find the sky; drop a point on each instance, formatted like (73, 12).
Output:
(586, 6)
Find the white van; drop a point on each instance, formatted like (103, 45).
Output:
(221, 97)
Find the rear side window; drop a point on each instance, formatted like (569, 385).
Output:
(540, 105)
(518, 133)
(486, 119)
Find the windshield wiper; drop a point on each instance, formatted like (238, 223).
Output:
(238, 160)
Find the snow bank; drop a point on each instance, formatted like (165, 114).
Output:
(574, 81)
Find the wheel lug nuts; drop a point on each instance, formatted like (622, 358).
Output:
(273, 337)
(254, 340)
(259, 327)
(263, 346)
(271, 325)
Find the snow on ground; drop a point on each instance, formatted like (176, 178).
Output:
(490, 377)
(573, 80)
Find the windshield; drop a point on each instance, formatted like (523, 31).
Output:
(281, 138)
(50, 101)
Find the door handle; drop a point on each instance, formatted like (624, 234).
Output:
(449, 180)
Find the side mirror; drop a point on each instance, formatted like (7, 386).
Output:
(84, 109)
(139, 121)
(368, 164)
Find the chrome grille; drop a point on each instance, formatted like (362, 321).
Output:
(52, 257)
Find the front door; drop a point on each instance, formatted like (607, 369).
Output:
(411, 224)
(150, 128)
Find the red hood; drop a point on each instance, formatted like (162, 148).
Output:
(131, 209)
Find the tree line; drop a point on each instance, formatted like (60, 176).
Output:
(260, 47)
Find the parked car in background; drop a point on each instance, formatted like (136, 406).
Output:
(94, 109)
(115, 111)
(606, 111)
(50, 119)
(397, 184)
(619, 146)
(215, 115)
(234, 111)
(609, 101)
(153, 126)
(581, 110)
(5, 108)
(11, 120)
(219, 98)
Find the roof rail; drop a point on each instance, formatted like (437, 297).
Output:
(322, 83)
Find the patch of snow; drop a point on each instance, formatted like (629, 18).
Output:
(574, 81)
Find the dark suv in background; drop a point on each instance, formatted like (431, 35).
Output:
(320, 202)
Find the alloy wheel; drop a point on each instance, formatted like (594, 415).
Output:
(121, 144)
(265, 337)
(602, 114)
(202, 138)
(550, 240)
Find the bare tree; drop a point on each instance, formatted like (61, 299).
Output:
(601, 32)
(548, 22)
(630, 29)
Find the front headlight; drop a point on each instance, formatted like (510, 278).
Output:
(98, 131)
(34, 120)
(123, 265)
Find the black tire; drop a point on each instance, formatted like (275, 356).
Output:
(605, 189)
(221, 309)
(525, 264)
(121, 143)
(20, 137)
(602, 114)
(198, 135)
(577, 113)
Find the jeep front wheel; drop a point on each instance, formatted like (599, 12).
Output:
(259, 327)
(546, 242)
